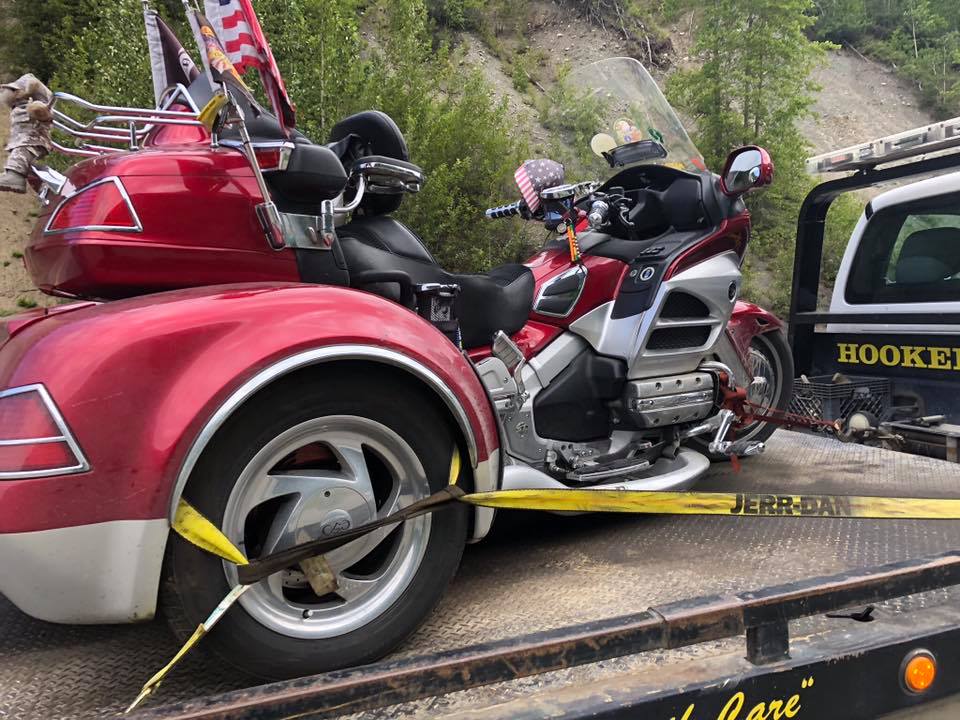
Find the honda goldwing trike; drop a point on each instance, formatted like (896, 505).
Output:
(295, 363)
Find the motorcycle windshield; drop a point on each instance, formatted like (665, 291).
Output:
(632, 120)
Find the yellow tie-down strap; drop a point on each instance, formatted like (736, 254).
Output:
(716, 503)
(195, 528)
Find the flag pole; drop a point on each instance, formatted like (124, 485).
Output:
(267, 213)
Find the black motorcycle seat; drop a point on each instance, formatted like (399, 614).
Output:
(499, 299)
(384, 233)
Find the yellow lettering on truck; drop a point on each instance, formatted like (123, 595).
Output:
(890, 355)
(848, 352)
(911, 356)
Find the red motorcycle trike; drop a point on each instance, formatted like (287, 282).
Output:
(266, 340)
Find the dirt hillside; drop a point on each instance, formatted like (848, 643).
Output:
(860, 100)
(17, 214)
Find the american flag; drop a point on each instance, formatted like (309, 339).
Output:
(247, 46)
(536, 175)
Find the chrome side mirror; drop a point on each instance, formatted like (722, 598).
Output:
(387, 176)
(746, 168)
(559, 192)
(568, 190)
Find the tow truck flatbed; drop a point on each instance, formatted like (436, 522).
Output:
(541, 572)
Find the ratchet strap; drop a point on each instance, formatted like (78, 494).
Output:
(627, 501)
(196, 529)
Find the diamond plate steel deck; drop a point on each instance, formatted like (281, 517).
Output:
(538, 572)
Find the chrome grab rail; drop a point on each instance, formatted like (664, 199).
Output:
(116, 124)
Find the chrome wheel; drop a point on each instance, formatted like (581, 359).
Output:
(764, 363)
(319, 478)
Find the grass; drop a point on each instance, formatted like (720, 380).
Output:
(26, 303)
(16, 255)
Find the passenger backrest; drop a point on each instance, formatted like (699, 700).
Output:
(371, 133)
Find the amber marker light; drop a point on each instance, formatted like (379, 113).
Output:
(918, 671)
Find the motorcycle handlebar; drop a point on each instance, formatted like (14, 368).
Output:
(505, 210)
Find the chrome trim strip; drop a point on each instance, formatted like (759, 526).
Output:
(32, 441)
(305, 359)
(565, 274)
(82, 464)
(138, 227)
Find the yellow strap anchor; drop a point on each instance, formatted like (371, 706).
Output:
(195, 528)
(192, 526)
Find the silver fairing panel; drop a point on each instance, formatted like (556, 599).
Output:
(710, 281)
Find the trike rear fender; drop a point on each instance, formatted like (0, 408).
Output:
(145, 383)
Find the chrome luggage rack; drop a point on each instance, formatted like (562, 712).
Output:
(124, 127)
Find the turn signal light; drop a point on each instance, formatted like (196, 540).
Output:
(919, 670)
(101, 205)
(273, 157)
(34, 438)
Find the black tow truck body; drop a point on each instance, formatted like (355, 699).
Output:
(904, 365)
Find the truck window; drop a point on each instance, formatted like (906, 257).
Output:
(909, 253)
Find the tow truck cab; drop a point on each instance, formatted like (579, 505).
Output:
(893, 324)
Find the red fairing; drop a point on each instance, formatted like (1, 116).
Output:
(182, 243)
(531, 339)
(604, 276)
(137, 379)
(732, 235)
(746, 322)
(10, 326)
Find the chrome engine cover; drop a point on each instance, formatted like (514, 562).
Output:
(672, 400)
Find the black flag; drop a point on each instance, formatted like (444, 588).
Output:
(169, 62)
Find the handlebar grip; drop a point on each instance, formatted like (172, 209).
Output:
(505, 210)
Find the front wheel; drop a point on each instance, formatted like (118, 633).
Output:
(770, 359)
(305, 460)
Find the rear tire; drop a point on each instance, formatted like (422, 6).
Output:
(280, 628)
(771, 357)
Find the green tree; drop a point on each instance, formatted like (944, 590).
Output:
(754, 81)
(752, 87)
(105, 62)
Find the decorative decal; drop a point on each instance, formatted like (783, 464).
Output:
(736, 707)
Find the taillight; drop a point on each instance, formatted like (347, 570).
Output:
(734, 241)
(34, 438)
(273, 157)
(101, 205)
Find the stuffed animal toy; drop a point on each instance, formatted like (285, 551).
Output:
(31, 118)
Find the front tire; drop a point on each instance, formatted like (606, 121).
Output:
(305, 459)
(770, 358)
